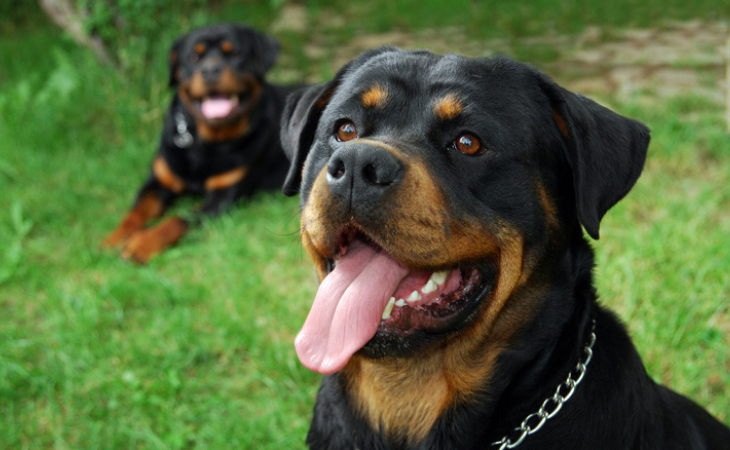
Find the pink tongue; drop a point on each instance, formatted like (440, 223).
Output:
(348, 307)
(215, 108)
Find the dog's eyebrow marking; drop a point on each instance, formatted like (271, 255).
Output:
(199, 48)
(448, 107)
(374, 97)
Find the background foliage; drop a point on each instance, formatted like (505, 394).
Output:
(195, 350)
(133, 29)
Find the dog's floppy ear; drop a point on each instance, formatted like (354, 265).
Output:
(301, 116)
(298, 125)
(263, 49)
(605, 150)
(174, 59)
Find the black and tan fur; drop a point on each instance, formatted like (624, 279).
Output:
(552, 163)
(229, 158)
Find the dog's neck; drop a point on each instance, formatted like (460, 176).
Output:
(403, 398)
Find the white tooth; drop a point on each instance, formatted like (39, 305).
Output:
(415, 296)
(400, 302)
(429, 287)
(440, 277)
(388, 308)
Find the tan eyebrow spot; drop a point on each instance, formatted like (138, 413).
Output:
(374, 97)
(199, 48)
(227, 47)
(448, 107)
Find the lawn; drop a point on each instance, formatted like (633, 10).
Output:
(195, 349)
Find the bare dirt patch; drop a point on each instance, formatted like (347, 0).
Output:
(679, 58)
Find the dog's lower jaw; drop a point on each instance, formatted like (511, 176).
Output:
(223, 133)
(419, 402)
(403, 398)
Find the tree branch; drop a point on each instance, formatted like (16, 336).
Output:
(727, 86)
(69, 19)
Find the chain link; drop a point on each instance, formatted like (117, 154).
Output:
(558, 399)
(183, 138)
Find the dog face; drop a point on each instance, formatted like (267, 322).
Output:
(432, 189)
(218, 72)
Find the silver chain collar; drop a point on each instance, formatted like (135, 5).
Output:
(547, 410)
(183, 138)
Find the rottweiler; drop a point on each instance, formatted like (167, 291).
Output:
(220, 138)
(443, 204)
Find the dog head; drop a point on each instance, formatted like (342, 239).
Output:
(433, 190)
(218, 72)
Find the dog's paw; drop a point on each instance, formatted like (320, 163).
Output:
(118, 237)
(145, 244)
(130, 225)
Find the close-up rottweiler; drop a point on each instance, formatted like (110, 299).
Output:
(220, 138)
(443, 204)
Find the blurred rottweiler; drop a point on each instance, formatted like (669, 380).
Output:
(220, 138)
(443, 200)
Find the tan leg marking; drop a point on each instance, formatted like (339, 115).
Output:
(226, 179)
(147, 208)
(145, 244)
(166, 176)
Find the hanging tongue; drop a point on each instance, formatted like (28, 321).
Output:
(348, 307)
(217, 107)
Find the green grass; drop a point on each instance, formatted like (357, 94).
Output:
(195, 350)
(500, 19)
(494, 18)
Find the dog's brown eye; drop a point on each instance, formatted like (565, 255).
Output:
(468, 144)
(227, 47)
(346, 132)
(194, 58)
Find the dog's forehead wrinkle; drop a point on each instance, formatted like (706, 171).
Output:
(449, 65)
(490, 102)
(217, 34)
(404, 69)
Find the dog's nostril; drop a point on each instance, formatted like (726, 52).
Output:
(370, 173)
(337, 169)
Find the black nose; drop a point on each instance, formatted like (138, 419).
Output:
(362, 172)
(211, 71)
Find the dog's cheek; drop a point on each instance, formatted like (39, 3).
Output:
(320, 264)
(470, 360)
(431, 232)
(317, 226)
(183, 93)
(549, 209)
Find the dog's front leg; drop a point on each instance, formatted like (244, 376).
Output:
(151, 202)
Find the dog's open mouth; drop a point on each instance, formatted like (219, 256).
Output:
(216, 106)
(368, 294)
